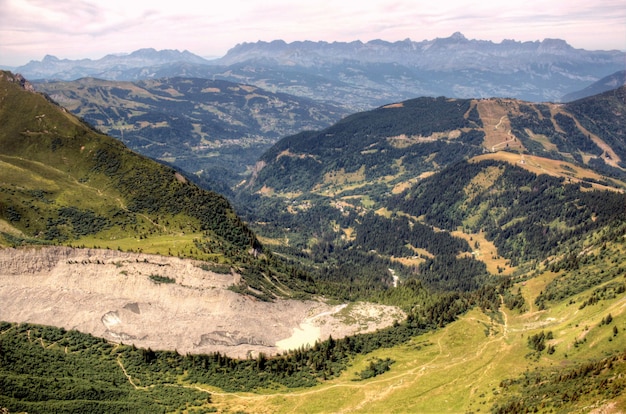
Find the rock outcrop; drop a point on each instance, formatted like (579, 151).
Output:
(122, 297)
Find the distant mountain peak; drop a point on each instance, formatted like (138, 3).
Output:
(447, 53)
(144, 51)
(555, 45)
(458, 36)
(50, 58)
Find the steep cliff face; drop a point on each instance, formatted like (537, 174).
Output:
(160, 302)
(370, 74)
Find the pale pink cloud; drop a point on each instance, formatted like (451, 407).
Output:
(30, 29)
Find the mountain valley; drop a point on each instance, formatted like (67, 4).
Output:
(442, 164)
(447, 254)
(213, 130)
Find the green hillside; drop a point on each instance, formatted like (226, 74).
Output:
(63, 183)
(526, 216)
(382, 145)
(397, 142)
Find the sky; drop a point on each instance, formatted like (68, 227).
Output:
(76, 29)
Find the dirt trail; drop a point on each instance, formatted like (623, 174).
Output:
(130, 379)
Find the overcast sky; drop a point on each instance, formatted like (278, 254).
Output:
(74, 29)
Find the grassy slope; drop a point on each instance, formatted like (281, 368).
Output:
(164, 233)
(460, 368)
(571, 172)
(48, 163)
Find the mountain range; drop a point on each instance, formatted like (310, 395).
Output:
(360, 75)
(52, 67)
(447, 54)
(281, 88)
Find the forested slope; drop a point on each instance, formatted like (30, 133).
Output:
(398, 141)
(412, 189)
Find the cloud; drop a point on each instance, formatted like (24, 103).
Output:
(30, 29)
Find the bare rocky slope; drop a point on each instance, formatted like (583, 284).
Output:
(117, 296)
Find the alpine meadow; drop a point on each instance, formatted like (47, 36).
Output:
(315, 227)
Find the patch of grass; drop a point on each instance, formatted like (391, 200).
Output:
(485, 251)
(539, 165)
(175, 244)
(158, 279)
